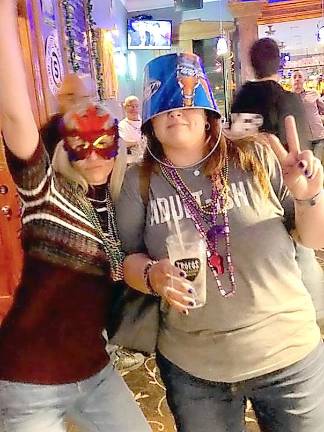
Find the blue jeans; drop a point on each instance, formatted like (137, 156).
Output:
(288, 400)
(101, 403)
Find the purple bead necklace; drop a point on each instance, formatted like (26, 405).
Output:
(201, 216)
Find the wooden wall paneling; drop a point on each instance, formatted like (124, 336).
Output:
(290, 11)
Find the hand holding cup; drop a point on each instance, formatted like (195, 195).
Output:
(169, 282)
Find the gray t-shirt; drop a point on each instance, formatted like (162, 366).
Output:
(270, 322)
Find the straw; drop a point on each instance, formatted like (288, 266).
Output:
(177, 228)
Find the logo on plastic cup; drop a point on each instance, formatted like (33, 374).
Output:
(190, 265)
(176, 81)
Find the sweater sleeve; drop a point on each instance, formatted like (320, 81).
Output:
(33, 176)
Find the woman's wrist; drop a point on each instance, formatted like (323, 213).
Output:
(147, 282)
(309, 202)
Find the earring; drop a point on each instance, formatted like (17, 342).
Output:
(207, 126)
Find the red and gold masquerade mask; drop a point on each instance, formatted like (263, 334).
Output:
(91, 132)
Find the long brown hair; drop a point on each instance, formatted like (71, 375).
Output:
(241, 152)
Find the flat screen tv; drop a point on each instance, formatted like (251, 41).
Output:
(149, 34)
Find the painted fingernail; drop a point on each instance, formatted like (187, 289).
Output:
(185, 312)
(308, 174)
(191, 303)
(301, 165)
(190, 290)
(183, 274)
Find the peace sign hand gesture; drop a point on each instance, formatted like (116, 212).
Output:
(302, 171)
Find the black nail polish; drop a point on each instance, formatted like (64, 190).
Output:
(185, 312)
(190, 290)
(183, 274)
(306, 172)
(301, 165)
(191, 303)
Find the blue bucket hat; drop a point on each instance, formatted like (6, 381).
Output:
(176, 81)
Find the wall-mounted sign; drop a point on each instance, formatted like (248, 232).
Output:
(54, 64)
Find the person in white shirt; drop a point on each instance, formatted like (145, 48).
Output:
(130, 129)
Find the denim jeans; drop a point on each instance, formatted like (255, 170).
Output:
(101, 403)
(288, 400)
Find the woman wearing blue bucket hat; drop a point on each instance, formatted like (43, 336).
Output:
(254, 336)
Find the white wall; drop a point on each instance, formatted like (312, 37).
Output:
(298, 36)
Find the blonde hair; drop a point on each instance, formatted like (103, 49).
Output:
(63, 166)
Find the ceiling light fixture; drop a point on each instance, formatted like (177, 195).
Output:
(270, 31)
(222, 46)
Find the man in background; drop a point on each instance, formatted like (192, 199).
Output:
(314, 107)
(73, 91)
(266, 97)
(130, 129)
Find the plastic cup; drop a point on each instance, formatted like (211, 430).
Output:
(190, 257)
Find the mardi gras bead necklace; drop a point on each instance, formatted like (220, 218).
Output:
(110, 239)
(206, 221)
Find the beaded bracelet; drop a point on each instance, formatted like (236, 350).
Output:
(309, 201)
(147, 281)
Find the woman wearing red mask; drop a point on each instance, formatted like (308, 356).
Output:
(54, 366)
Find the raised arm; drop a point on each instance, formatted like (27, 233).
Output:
(303, 176)
(17, 121)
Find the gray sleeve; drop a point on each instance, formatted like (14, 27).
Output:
(131, 213)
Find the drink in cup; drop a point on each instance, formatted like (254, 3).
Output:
(190, 257)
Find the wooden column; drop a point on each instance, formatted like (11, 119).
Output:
(246, 15)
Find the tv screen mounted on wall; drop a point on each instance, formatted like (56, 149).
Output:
(149, 34)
